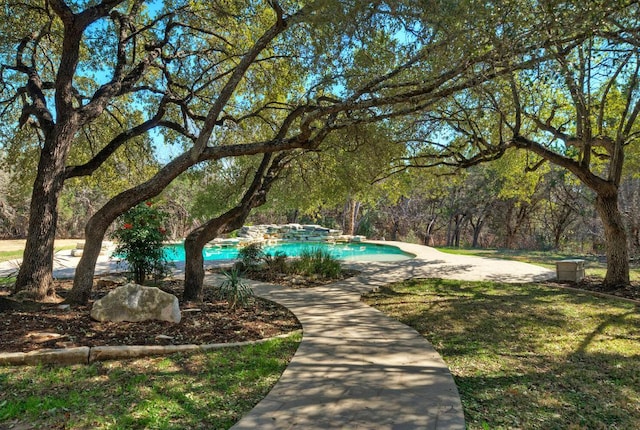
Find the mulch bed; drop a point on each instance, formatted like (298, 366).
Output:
(46, 325)
(631, 291)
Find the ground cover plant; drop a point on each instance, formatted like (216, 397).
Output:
(200, 391)
(528, 356)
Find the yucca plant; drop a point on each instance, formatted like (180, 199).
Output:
(234, 290)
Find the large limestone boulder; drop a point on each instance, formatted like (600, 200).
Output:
(132, 302)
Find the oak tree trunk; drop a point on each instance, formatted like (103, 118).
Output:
(83, 280)
(193, 266)
(477, 229)
(231, 220)
(198, 238)
(617, 252)
(35, 277)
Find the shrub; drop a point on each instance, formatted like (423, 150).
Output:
(234, 290)
(251, 255)
(140, 240)
(276, 263)
(317, 261)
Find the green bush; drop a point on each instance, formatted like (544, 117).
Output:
(234, 290)
(317, 261)
(251, 255)
(276, 263)
(140, 239)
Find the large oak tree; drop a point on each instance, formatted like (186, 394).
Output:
(67, 69)
(577, 109)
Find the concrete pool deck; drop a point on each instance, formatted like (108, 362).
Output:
(431, 263)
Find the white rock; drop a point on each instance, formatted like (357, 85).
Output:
(135, 303)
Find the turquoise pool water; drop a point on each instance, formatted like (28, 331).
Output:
(342, 251)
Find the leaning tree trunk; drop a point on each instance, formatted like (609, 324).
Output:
(231, 220)
(83, 280)
(198, 238)
(100, 221)
(35, 277)
(194, 265)
(615, 239)
(97, 225)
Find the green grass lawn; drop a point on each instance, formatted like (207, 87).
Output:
(10, 255)
(201, 391)
(528, 356)
(17, 254)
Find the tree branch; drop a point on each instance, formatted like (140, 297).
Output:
(103, 155)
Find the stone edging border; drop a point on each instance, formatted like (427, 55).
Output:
(88, 355)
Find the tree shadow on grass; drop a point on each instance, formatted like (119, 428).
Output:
(521, 358)
(573, 393)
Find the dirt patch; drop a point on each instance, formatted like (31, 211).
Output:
(594, 285)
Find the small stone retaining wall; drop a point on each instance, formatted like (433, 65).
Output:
(88, 355)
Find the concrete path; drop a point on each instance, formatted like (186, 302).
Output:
(357, 368)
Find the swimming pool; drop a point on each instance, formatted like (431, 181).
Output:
(342, 251)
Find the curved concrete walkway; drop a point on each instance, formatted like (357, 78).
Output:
(357, 368)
